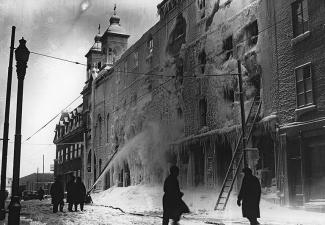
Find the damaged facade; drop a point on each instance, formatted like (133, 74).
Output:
(159, 102)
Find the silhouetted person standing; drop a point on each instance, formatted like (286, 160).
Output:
(250, 195)
(173, 204)
(40, 193)
(71, 187)
(57, 194)
(80, 194)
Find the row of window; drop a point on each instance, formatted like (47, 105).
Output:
(70, 125)
(69, 153)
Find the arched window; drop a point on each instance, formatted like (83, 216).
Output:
(203, 112)
(110, 56)
(99, 127)
(95, 169)
(89, 162)
(107, 128)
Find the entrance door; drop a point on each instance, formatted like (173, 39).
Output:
(107, 180)
(296, 192)
(316, 172)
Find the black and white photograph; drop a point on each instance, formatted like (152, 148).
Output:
(150, 112)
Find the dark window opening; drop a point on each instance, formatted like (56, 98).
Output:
(228, 47)
(134, 99)
(99, 65)
(89, 162)
(300, 17)
(201, 5)
(202, 60)
(179, 70)
(229, 94)
(100, 166)
(203, 112)
(179, 113)
(252, 33)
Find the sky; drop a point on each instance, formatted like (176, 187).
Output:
(64, 29)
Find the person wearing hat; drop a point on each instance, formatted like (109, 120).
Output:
(173, 205)
(249, 196)
(57, 194)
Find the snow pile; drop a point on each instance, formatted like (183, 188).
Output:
(147, 199)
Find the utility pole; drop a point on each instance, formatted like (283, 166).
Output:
(6, 129)
(43, 163)
(37, 179)
(242, 111)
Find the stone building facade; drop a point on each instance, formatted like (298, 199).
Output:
(298, 98)
(171, 98)
(69, 141)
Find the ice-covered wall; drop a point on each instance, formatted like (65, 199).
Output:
(148, 113)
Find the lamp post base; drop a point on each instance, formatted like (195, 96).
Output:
(14, 211)
(3, 197)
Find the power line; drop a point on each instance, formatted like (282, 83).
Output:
(52, 119)
(158, 75)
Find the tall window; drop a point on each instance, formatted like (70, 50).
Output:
(201, 5)
(150, 46)
(136, 59)
(304, 86)
(110, 56)
(203, 112)
(89, 162)
(299, 17)
(107, 127)
(228, 47)
(252, 33)
(150, 51)
(99, 130)
(100, 165)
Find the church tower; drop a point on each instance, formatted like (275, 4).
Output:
(95, 56)
(114, 40)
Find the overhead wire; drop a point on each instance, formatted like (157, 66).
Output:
(151, 74)
(53, 118)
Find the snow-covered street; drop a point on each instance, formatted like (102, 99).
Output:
(142, 205)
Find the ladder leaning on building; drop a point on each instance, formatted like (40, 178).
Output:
(238, 156)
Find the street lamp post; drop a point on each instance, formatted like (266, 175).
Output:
(22, 56)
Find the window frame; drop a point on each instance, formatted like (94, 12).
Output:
(203, 104)
(295, 5)
(303, 81)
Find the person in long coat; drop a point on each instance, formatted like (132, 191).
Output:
(57, 194)
(173, 205)
(40, 194)
(70, 187)
(80, 194)
(250, 195)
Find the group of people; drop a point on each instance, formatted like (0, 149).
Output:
(249, 197)
(76, 194)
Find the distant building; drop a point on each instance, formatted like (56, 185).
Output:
(34, 181)
(8, 184)
(69, 136)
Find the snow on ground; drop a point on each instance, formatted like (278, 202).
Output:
(142, 205)
(147, 199)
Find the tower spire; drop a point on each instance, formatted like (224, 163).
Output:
(98, 28)
(114, 9)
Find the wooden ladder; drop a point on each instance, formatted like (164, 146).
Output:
(238, 156)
